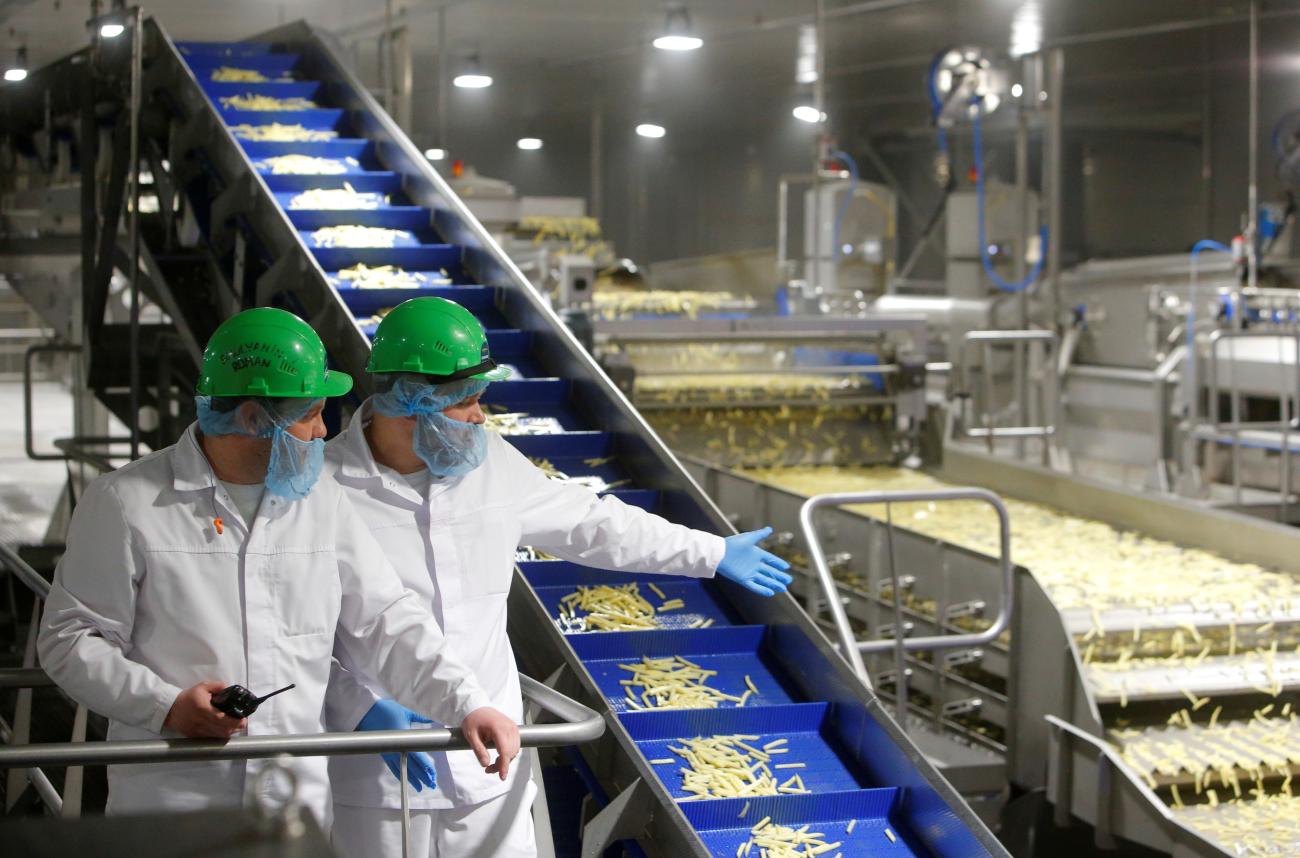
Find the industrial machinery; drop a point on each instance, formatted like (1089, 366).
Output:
(1146, 678)
(850, 239)
(1145, 681)
(340, 218)
(1180, 379)
(753, 391)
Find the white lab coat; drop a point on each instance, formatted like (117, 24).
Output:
(456, 550)
(150, 599)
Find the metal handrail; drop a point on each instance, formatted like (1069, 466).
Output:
(29, 434)
(24, 677)
(1285, 424)
(987, 340)
(38, 779)
(25, 573)
(852, 648)
(580, 725)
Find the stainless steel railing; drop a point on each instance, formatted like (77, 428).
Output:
(25, 678)
(1036, 405)
(580, 724)
(852, 648)
(1232, 429)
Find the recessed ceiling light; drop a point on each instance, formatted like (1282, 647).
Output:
(529, 143)
(648, 130)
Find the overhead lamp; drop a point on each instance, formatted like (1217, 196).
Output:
(113, 24)
(805, 61)
(1017, 90)
(808, 113)
(647, 129)
(471, 76)
(678, 35)
(17, 70)
(435, 154)
(1026, 30)
(529, 143)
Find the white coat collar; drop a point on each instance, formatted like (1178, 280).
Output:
(357, 461)
(191, 470)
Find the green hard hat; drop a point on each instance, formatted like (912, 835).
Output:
(435, 337)
(268, 352)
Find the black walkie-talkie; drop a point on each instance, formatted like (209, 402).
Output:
(238, 702)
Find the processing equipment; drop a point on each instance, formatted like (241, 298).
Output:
(1145, 682)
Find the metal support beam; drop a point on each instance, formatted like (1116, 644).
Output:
(626, 817)
(1054, 179)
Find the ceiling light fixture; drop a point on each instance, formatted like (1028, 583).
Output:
(808, 113)
(113, 24)
(471, 75)
(678, 35)
(805, 61)
(435, 154)
(17, 70)
(647, 129)
(529, 143)
(1027, 30)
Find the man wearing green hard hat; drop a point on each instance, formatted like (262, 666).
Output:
(221, 561)
(450, 503)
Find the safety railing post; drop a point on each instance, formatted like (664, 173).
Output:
(853, 649)
(1040, 422)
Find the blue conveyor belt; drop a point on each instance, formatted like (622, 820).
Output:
(872, 812)
(735, 653)
(853, 768)
(809, 750)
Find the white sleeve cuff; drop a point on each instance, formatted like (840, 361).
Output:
(714, 549)
(476, 700)
(163, 700)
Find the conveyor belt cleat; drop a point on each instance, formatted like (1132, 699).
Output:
(973, 608)
(962, 658)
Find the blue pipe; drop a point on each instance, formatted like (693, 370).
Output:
(1197, 248)
(1032, 276)
(936, 103)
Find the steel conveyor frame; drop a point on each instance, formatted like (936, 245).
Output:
(1055, 728)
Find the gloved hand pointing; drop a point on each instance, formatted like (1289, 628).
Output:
(391, 715)
(752, 567)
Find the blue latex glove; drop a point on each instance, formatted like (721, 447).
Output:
(753, 568)
(391, 715)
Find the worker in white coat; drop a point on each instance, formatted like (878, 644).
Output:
(450, 503)
(221, 560)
